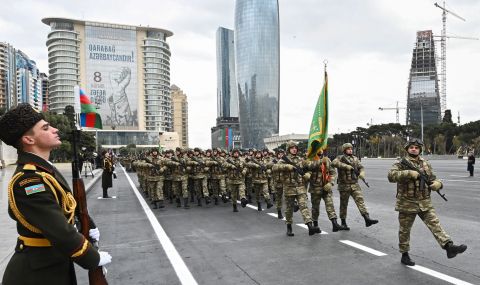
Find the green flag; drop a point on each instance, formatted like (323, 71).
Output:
(317, 140)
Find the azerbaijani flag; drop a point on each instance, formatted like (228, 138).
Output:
(88, 115)
(317, 140)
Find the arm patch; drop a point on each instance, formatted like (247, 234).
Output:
(30, 180)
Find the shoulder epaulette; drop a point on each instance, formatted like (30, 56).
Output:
(29, 167)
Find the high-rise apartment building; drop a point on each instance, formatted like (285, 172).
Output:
(423, 90)
(180, 114)
(257, 61)
(8, 75)
(44, 79)
(28, 83)
(124, 69)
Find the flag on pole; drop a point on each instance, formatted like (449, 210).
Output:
(88, 113)
(317, 139)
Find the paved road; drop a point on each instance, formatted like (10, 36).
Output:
(216, 246)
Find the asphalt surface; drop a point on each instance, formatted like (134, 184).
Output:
(217, 246)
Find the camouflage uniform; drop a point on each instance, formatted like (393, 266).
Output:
(177, 167)
(277, 186)
(321, 182)
(258, 169)
(156, 179)
(413, 199)
(236, 180)
(294, 189)
(348, 185)
(196, 170)
(217, 177)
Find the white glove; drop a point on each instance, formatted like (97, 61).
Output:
(94, 234)
(105, 258)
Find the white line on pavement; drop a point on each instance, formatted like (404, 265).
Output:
(439, 275)
(176, 260)
(364, 248)
(457, 180)
(305, 227)
(276, 216)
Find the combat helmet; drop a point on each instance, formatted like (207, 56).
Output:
(291, 144)
(346, 145)
(414, 141)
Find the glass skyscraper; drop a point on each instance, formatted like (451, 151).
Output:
(227, 99)
(423, 91)
(257, 60)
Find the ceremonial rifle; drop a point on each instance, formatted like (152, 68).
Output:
(297, 169)
(95, 276)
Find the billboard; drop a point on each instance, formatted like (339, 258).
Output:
(111, 72)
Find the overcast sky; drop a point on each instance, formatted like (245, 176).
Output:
(368, 45)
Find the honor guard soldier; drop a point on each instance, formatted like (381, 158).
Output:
(349, 171)
(415, 180)
(42, 205)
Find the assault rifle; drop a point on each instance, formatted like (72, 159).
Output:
(297, 169)
(230, 161)
(177, 160)
(95, 276)
(355, 170)
(202, 163)
(262, 166)
(424, 179)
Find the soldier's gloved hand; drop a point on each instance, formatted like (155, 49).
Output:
(361, 175)
(289, 167)
(412, 174)
(348, 167)
(105, 258)
(436, 185)
(306, 177)
(94, 234)
(328, 187)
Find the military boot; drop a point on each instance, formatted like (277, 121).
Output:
(178, 202)
(185, 203)
(207, 200)
(335, 226)
(224, 198)
(295, 206)
(406, 259)
(368, 221)
(215, 199)
(315, 224)
(280, 216)
(244, 202)
(160, 204)
(344, 225)
(453, 250)
(155, 206)
(235, 208)
(199, 202)
(289, 230)
(312, 229)
(259, 206)
(269, 204)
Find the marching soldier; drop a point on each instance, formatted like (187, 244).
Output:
(197, 173)
(413, 198)
(156, 179)
(167, 175)
(321, 184)
(259, 171)
(291, 168)
(349, 171)
(277, 183)
(217, 177)
(42, 205)
(236, 178)
(177, 167)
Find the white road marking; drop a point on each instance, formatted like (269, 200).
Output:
(364, 248)
(176, 260)
(305, 227)
(439, 275)
(101, 198)
(276, 216)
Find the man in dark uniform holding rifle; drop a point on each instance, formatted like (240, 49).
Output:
(42, 204)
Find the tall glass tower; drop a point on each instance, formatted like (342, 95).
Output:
(227, 99)
(423, 91)
(257, 60)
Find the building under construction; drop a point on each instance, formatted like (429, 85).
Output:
(423, 90)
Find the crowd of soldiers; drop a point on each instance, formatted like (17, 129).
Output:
(184, 176)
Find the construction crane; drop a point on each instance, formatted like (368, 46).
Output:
(443, 58)
(397, 109)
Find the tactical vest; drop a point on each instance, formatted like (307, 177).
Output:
(412, 189)
(348, 176)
